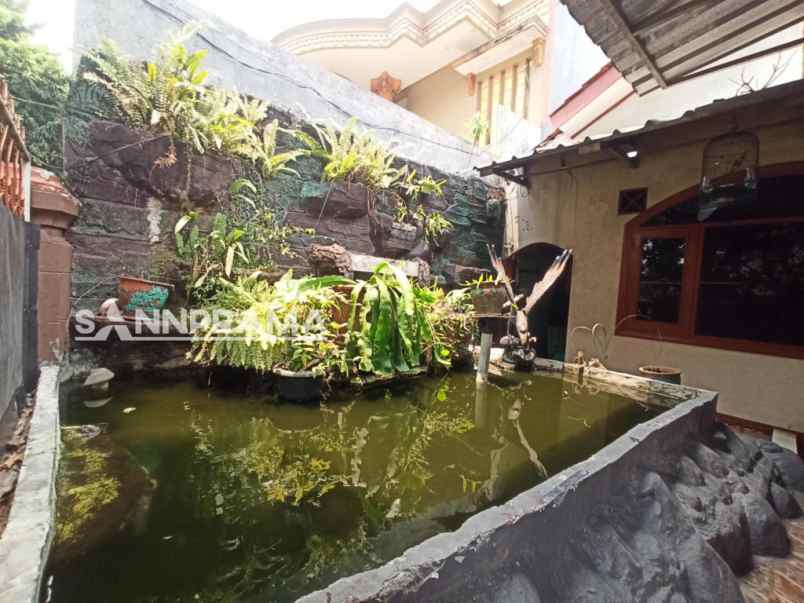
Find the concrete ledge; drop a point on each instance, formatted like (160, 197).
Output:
(25, 544)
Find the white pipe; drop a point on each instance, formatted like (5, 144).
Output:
(485, 357)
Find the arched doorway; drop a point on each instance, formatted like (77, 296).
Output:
(550, 317)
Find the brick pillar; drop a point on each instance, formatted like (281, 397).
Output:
(54, 209)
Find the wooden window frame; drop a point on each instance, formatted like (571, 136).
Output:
(683, 331)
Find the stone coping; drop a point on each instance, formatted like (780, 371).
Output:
(25, 544)
(453, 565)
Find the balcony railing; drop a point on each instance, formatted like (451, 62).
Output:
(15, 162)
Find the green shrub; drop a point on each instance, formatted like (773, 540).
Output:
(393, 326)
(169, 96)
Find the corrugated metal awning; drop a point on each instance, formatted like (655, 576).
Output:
(655, 43)
(779, 104)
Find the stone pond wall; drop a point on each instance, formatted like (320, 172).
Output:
(129, 207)
(671, 511)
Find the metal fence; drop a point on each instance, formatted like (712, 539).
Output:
(15, 162)
(19, 265)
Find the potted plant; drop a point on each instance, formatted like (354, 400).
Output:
(488, 296)
(299, 386)
(303, 365)
(661, 373)
(141, 294)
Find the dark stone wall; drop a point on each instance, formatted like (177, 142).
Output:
(129, 207)
(12, 300)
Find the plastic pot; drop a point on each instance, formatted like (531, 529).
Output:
(141, 294)
(299, 387)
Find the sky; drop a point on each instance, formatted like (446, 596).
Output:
(262, 19)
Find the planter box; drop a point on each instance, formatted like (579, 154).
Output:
(339, 201)
(141, 294)
(488, 301)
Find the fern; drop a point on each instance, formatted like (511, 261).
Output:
(169, 96)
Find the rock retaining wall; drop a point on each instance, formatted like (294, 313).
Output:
(670, 511)
(129, 207)
(237, 61)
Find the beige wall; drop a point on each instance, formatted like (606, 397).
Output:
(442, 98)
(579, 210)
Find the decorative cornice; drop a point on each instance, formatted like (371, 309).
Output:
(421, 28)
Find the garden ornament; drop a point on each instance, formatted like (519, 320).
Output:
(520, 349)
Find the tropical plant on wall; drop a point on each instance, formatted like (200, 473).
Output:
(245, 238)
(169, 96)
(410, 209)
(354, 156)
(351, 155)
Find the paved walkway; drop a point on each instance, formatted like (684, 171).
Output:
(779, 580)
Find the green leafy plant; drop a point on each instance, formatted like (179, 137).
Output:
(288, 324)
(264, 153)
(409, 208)
(478, 128)
(37, 82)
(169, 96)
(351, 155)
(484, 280)
(383, 325)
(245, 239)
(212, 256)
(436, 225)
(396, 326)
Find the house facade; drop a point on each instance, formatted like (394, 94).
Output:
(459, 60)
(688, 240)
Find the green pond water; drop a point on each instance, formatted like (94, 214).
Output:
(245, 499)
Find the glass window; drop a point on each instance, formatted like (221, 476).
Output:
(723, 270)
(752, 283)
(660, 275)
(779, 197)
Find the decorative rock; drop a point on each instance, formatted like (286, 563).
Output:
(785, 504)
(139, 157)
(339, 201)
(790, 466)
(768, 536)
(99, 378)
(97, 403)
(517, 588)
(330, 259)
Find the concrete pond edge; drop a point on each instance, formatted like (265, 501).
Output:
(461, 565)
(25, 544)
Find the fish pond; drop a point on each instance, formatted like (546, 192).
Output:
(179, 492)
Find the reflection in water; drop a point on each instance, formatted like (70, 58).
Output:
(260, 501)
